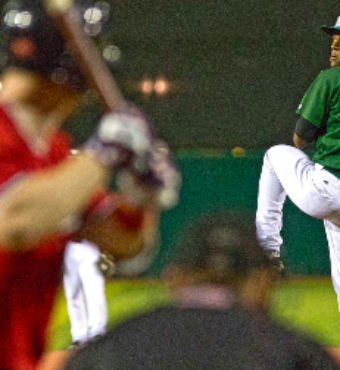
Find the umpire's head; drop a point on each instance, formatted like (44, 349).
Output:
(220, 248)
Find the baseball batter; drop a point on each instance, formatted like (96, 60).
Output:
(313, 185)
(84, 287)
(46, 195)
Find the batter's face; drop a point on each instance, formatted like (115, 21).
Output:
(335, 51)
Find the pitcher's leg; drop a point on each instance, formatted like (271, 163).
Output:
(271, 197)
(333, 237)
(286, 171)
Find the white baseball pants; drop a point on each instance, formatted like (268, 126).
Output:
(289, 171)
(84, 287)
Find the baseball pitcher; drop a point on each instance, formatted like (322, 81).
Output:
(313, 185)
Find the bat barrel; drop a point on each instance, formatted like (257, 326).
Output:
(86, 55)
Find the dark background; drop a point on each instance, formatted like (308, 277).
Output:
(240, 68)
(237, 72)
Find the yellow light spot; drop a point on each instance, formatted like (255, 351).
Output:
(161, 86)
(147, 87)
(238, 152)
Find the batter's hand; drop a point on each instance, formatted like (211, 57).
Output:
(159, 171)
(120, 139)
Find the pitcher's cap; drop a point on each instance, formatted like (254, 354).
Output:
(332, 30)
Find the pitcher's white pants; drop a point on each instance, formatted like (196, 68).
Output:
(84, 287)
(289, 171)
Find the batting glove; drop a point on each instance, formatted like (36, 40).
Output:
(120, 138)
(157, 170)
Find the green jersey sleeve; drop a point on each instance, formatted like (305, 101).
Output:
(316, 100)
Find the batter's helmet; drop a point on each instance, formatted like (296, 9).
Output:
(33, 43)
(332, 30)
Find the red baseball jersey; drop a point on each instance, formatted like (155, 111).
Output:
(28, 280)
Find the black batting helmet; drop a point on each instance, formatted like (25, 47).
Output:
(34, 43)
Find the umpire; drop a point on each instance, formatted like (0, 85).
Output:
(220, 280)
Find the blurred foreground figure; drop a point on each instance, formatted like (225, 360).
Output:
(220, 280)
(47, 196)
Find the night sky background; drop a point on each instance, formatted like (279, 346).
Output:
(238, 68)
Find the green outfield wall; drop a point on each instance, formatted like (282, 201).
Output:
(216, 179)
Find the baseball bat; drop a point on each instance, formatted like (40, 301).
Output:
(88, 58)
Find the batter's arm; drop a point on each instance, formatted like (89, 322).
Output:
(36, 205)
(41, 203)
(124, 232)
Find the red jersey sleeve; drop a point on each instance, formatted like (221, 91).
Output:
(11, 154)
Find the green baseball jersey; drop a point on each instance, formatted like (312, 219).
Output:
(321, 106)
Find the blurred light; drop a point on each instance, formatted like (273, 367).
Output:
(60, 76)
(22, 47)
(105, 9)
(93, 15)
(10, 18)
(112, 53)
(147, 87)
(20, 19)
(238, 152)
(93, 29)
(161, 87)
(23, 19)
(0, 85)
(11, 5)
